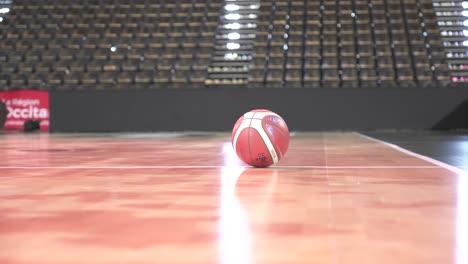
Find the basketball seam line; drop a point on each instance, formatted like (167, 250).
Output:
(275, 147)
(248, 138)
(238, 132)
(262, 114)
(253, 118)
(265, 143)
(263, 140)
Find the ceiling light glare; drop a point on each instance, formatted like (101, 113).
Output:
(233, 16)
(231, 7)
(232, 45)
(232, 26)
(233, 35)
(231, 56)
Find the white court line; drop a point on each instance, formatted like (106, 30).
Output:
(419, 156)
(461, 231)
(215, 167)
(437, 164)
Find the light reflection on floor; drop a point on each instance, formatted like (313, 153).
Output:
(235, 238)
(462, 219)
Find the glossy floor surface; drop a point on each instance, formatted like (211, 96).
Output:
(449, 147)
(334, 198)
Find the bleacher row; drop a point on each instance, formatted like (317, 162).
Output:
(47, 44)
(106, 43)
(348, 43)
(451, 16)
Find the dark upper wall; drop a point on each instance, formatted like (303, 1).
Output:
(217, 110)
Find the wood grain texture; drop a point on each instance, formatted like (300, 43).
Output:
(334, 198)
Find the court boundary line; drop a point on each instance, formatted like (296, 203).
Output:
(437, 164)
(414, 154)
(215, 167)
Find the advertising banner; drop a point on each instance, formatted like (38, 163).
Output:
(26, 105)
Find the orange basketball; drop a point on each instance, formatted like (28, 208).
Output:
(260, 138)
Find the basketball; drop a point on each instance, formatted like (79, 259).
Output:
(260, 138)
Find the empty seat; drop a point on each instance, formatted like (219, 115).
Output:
(143, 78)
(330, 78)
(173, 44)
(89, 78)
(72, 79)
(18, 80)
(349, 78)
(368, 77)
(124, 78)
(293, 78)
(107, 78)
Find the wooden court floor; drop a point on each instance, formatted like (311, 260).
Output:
(142, 198)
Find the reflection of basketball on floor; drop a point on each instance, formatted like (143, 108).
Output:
(255, 190)
(260, 138)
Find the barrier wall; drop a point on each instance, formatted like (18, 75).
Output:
(218, 109)
(25, 105)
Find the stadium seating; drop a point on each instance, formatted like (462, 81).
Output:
(123, 44)
(452, 26)
(357, 43)
(47, 44)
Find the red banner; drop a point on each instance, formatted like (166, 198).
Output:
(26, 105)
